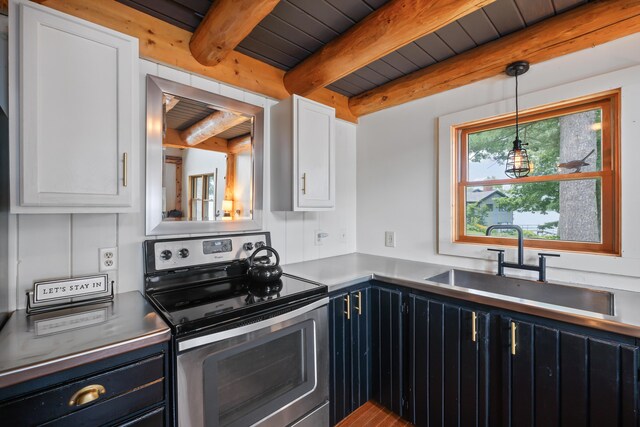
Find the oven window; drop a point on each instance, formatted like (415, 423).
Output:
(249, 382)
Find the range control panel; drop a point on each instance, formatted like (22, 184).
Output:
(175, 253)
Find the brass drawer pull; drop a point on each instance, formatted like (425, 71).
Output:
(87, 394)
(359, 308)
(474, 332)
(347, 300)
(513, 338)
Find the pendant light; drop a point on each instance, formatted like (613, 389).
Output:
(518, 165)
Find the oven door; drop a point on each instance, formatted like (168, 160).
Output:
(269, 373)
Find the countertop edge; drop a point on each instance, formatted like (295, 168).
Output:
(348, 270)
(30, 372)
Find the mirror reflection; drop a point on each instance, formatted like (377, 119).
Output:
(207, 161)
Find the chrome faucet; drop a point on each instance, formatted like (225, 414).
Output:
(541, 268)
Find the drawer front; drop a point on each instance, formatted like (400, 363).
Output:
(107, 412)
(132, 379)
(153, 418)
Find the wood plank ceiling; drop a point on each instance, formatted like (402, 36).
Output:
(295, 29)
(188, 112)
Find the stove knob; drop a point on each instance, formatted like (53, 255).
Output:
(259, 244)
(247, 246)
(166, 254)
(183, 253)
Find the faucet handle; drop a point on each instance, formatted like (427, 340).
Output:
(543, 254)
(498, 250)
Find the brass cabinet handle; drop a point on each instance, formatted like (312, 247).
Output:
(513, 338)
(86, 394)
(474, 332)
(304, 183)
(125, 174)
(359, 307)
(347, 300)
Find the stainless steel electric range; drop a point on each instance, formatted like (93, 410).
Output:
(245, 353)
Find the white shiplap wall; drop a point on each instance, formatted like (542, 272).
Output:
(49, 246)
(406, 142)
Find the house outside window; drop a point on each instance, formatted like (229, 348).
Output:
(571, 199)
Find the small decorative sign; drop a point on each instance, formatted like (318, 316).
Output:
(70, 288)
(55, 325)
(61, 293)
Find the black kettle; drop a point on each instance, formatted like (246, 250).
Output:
(264, 273)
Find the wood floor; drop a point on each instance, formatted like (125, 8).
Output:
(371, 414)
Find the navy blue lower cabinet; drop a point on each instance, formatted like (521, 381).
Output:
(387, 358)
(449, 364)
(131, 389)
(558, 377)
(350, 364)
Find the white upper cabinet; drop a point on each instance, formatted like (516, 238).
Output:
(302, 156)
(73, 104)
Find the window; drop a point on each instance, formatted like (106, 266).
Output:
(571, 199)
(203, 193)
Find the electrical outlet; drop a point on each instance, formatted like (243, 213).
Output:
(108, 259)
(342, 237)
(319, 236)
(390, 239)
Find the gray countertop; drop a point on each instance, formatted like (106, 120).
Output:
(37, 345)
(346, 270)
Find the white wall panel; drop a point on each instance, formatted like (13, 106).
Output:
(44, 250)
(205, 84)
(89, 232)
(294, 236)
(310, 250)
(173, 74)
(231, 92)
(397, 159)
(51, 246)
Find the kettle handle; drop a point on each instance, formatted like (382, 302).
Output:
(264, 248)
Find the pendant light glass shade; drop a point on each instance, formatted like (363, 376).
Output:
(518, 165)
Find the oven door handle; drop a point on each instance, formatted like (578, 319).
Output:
(243, 330)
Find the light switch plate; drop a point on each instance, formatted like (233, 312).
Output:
(390, 239)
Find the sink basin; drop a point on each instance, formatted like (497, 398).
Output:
(567, 296)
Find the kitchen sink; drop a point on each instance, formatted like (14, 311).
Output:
(567, 296)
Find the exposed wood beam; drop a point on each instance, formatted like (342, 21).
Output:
(172, 139)
(586, 26)
(225, 25)
(392, 26)
(167, 44)
(239, 144)
(212, 125)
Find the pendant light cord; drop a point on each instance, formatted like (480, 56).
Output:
(517, 127)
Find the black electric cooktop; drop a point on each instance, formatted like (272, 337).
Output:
(219, 303)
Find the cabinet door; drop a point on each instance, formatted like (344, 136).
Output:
(386, 348)
(314, 155)
(340, 355)
(449, 356)
(558, 378)
(360, 347)
(74, 88)
(350, 364)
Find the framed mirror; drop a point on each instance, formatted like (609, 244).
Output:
(204, 161)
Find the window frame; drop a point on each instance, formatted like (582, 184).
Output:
(205, 192)
(609, 174)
